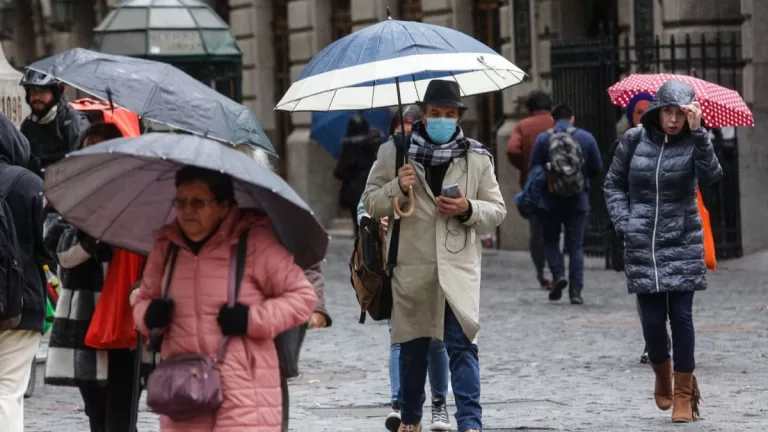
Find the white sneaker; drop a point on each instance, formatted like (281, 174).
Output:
(440, 419)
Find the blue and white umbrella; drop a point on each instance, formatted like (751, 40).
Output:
(363, 69)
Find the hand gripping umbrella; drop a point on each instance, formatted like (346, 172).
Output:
(391, 63)
(158, 92)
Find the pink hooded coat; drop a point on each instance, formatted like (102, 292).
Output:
(279, 297)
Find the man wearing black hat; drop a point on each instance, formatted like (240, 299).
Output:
(436, 283)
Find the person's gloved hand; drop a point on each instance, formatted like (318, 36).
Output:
(233, 320)
(158, 313)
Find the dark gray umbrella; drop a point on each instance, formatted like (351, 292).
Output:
(121, 190)
(158, 92)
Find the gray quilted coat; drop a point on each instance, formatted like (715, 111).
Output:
(650, 193)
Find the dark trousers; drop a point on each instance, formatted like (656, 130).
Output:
(109, 407)
(465, 375)
(655, 309)
(536, 245)
(575, 223)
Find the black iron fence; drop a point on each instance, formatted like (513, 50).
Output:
(582, 70)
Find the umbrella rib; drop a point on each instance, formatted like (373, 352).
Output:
(489, 77)
(415, 87)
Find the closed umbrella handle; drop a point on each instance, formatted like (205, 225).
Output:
(411, 204)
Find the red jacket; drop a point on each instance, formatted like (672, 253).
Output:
(523, 140)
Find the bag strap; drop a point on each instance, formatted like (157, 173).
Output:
(236, 271)
(170, 263)
(394, 243)
(8, 179)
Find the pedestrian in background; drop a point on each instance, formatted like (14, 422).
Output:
(358, 152)
(570, 156)
(519, 151)
(650, 193)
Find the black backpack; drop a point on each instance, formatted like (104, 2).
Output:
(566, 178)
(11, 273)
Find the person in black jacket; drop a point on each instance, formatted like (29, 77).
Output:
(358, 152)
(25, 202)
(54, 128)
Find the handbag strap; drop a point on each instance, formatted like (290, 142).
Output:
(235, 279)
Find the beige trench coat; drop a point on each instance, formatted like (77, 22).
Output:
(439, 258)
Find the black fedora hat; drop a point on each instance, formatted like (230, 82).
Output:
(443, 93)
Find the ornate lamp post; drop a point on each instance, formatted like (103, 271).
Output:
(185, 33)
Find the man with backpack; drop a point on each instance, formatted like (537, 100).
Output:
(22, 290)
(570, 156)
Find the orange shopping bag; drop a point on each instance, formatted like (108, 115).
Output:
(112, 323)
(709, 240)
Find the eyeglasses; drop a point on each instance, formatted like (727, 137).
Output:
(195, 203)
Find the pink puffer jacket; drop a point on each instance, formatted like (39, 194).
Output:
(279, 297)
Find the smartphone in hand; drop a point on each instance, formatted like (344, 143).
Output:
(451, 191)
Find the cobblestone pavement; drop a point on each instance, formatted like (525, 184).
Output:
(545, 366)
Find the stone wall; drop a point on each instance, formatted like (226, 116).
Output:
(309, 165)
(753, 152)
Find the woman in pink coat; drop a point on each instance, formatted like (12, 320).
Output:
(275, 296)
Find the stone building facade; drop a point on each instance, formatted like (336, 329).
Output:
(278, 37)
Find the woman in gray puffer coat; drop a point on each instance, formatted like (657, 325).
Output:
(650, 193)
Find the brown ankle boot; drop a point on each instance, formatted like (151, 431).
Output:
(663, 389)
(687, 396)
(410, 428)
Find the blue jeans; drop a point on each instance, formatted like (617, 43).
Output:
(575, 223)
(655, 309)
(465, 375)
(437, 368)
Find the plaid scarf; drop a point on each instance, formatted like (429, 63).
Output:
(423, 151)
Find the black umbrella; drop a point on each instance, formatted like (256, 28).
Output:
(121, 190)
(158, 92)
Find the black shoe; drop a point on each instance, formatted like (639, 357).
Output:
(556, 293)
(576, 299)
(644, 358)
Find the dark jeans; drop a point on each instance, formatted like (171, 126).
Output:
(109, 407)
(536, 245)
(575, 223)
(465, 375)
(640, 316)
(679, 307)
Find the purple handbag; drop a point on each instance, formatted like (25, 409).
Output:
(186, 386)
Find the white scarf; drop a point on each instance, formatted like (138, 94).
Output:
(48, 117)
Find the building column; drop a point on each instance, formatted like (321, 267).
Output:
(251, 24)
(753, 153)
(519, 31)
(309, 165)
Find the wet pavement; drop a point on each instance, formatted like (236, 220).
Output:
(545, 366)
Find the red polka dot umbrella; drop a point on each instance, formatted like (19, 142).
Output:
(720, 107)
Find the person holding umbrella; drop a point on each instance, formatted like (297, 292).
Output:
(436, 285)
(650, 194)
(193, 313)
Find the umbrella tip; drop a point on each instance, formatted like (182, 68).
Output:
(389, 13)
